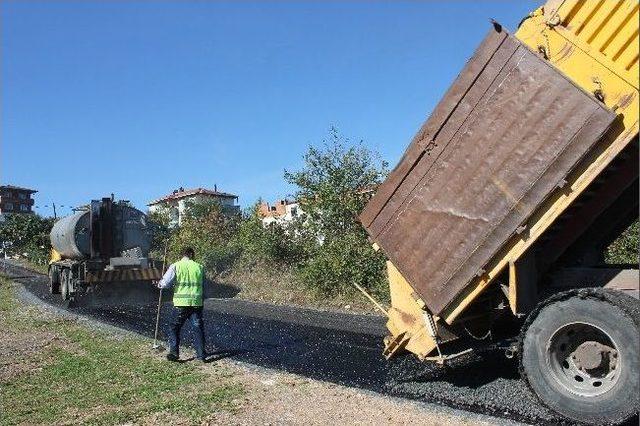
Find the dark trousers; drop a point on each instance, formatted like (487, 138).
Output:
(180, 315)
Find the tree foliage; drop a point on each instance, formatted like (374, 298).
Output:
(330, 190)
(624, 250)
(209, 230)
(27, 235)
(331, 183)
(161, 232)
(274, 243)
(326, 246)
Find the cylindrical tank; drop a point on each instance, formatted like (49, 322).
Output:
(71, 235)
(131, 230)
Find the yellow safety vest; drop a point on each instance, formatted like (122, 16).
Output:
(189, 278)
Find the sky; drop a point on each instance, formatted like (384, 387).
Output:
(138, 98)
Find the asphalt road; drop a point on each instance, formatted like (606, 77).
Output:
(335, 347)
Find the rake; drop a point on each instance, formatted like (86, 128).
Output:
(157, 346)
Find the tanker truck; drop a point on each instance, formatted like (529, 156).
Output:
(101, 249)
(495, 217)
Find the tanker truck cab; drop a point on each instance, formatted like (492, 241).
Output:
(494, 220)
(101, 249)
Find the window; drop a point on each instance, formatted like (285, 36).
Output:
(7, 194)
(8, 206)
(22, 196)
(24, 208)
(294, 211)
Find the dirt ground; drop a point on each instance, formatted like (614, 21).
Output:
(278, 398)
(271, 398)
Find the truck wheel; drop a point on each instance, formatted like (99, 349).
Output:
(580, 355)
(54, 280)
(65, 284)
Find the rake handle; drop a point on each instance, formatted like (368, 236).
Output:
(164, 264)
(155, 336)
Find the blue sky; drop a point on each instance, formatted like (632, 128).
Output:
(139, 98)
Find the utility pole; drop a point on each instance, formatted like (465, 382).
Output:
(55, 216)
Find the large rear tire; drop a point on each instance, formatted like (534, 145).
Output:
(65, 284)
(54, 280)
(580, 355)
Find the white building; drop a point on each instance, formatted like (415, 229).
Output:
(175, 204)
(281, 212)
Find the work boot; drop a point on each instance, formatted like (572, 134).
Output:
(204, 360)
(172, 357)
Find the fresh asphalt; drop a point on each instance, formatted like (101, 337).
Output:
(335, 347)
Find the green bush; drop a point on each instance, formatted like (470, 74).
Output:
(218, 258)
(209, 230)
(340, 262)
(330, 187)
(326, 245)
(27, 235)
(161, 234)
(275, 243)
(624, 250)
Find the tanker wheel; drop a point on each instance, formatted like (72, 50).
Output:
(54, 280)
(580, 355)
(65, 285)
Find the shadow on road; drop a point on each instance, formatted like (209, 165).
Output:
(221, 291)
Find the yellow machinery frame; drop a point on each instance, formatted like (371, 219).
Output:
(595, 44)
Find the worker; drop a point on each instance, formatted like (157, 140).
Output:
(186, 277)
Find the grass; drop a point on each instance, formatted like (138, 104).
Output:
(624, 250)
(43, 268)
(277, 285)
(90, 377)
(40, 267)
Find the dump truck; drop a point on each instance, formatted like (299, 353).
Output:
(102, 250)
(496, 215)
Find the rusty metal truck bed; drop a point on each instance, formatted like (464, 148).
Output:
(504, 136)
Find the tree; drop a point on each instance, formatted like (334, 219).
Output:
(161, 232)
(332, 180)
(209, 230)
(278, 243)
(330, 187)
(27, 235)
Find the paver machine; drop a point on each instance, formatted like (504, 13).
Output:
(101, 252)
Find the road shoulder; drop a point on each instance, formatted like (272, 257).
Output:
(250, 395)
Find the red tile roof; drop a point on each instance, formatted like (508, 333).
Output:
(190, 192)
